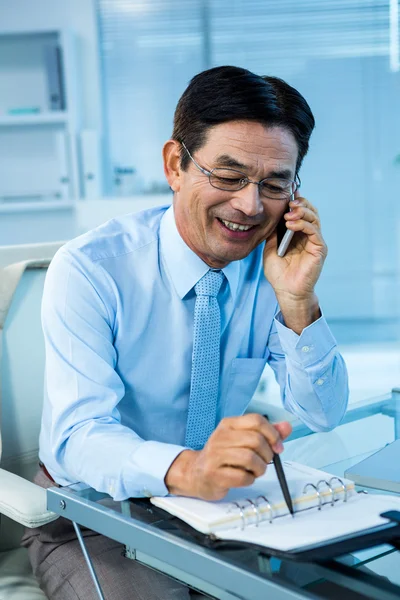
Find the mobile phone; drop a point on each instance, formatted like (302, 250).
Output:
(285, 241)
(284, 236)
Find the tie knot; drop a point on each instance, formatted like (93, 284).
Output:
(210, 284)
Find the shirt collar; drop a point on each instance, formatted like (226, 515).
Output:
(184, 266)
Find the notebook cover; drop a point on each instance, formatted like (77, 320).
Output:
(381, 470)
(387, 533)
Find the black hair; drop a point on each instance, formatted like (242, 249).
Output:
(228, 93)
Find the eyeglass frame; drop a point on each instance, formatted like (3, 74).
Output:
(296, 181)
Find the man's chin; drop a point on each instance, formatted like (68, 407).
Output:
(232, 255)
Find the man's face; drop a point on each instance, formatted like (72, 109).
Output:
(200, 209)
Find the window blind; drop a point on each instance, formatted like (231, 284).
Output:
(151, 48)
(283, 35)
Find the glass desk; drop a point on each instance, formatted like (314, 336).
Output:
(158, 540)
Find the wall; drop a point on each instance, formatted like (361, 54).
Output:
(352, 175)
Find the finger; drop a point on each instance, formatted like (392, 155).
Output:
(252, 440)
(313, 233)
(271, 242)
(301, 201)
(311, 207)
(302, 212)
(256, 422)
(231, 477)
(246, 459)
(284, 428)
(252, 421)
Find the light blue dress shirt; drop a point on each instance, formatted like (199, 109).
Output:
(118, 323)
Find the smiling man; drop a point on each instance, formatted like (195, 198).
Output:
(158, 326)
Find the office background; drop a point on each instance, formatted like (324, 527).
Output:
(125, 63)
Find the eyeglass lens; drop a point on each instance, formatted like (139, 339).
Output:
(231, 180)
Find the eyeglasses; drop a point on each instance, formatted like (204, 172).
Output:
(231, 180)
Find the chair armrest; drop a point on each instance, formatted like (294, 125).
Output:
(23, 501)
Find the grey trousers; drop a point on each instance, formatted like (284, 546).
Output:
(61, 570)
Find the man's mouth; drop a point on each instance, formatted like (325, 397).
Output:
(235, 226)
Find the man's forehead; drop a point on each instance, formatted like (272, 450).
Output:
(247, 145)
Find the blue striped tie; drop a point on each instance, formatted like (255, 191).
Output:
(205, 361)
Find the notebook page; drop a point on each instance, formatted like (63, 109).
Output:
(312, 526)
(210, 517)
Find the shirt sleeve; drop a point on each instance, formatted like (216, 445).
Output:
(88, 442)
(311, 373)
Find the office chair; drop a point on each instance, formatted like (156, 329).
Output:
(22, 358)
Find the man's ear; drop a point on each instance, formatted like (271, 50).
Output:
(172, 160)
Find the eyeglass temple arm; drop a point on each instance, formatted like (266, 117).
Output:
(197, 165)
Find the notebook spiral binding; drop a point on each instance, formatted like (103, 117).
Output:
(255, 504)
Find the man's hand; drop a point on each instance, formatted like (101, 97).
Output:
(236, 454)
(294, 275)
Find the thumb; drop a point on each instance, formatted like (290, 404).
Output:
(284, 429)
(271, 243)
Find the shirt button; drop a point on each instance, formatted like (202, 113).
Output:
(320, 381)
(306, 349)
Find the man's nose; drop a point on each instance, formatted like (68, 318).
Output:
(248, 200)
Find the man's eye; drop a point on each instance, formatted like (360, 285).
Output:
(230, 179)
(274, 188)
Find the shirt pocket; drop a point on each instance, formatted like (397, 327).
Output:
(243, 379)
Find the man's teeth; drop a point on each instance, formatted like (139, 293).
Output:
(236, 226)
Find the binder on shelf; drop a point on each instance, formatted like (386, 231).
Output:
(54, 76)
(63, 160)
(91, 163)
(331, 518)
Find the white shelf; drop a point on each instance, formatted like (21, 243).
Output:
(38, 150)
(25, 207)
(45, 118)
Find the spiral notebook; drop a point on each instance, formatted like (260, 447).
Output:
(327, 508)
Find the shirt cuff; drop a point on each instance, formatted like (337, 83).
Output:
(311, 346)
(152, 460)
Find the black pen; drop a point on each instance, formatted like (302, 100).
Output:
(282, 482)
(280, 473)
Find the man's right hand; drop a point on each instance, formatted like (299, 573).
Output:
(237, 452)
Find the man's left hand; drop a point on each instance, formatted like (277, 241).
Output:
(294, 275)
